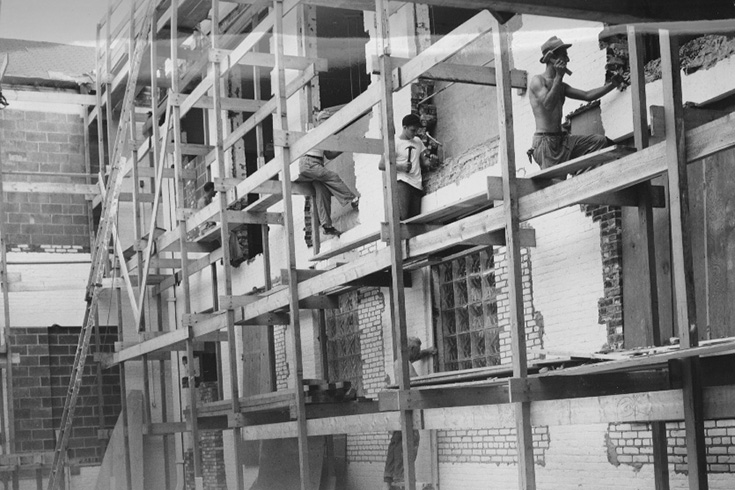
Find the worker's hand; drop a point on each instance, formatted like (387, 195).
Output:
(403, 167)
(617, 79)
(560, 66)
(433, 351)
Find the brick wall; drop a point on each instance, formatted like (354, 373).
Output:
(44, 142)
(533, 319)
(630, 444)
(279, 339)
(459, 167)
(370, 447)
(210, 442)
(496, 446)
(41, 381)
(370, 313)
(610, 306)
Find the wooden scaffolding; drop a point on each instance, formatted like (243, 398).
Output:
(163, 257)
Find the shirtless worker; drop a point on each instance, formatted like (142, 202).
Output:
(551, 145)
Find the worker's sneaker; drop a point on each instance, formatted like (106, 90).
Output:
(355, 203)
(331, 230)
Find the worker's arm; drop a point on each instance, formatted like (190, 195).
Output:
(596, 93)
(431, 351)
(549, 97)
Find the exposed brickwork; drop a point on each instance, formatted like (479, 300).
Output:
(41, 381)
(210, 442)
(496, 446)
(370, 313)
(368, 448)
(630, 444)
(532, 318)
(44, 142)
(611, 243)
(279, 339)
(456, 168)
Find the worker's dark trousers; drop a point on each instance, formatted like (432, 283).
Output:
(394, 460)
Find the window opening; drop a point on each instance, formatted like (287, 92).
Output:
(465, 312)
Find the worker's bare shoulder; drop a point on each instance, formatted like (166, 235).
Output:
(538, 84)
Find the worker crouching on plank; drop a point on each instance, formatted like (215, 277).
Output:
(551, 145)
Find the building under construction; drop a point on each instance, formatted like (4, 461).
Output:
(160, 337)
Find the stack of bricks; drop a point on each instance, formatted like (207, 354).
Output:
(41, 382)
(44, 142)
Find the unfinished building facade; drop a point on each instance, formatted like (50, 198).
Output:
(580, 314)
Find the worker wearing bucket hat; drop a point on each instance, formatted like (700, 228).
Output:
(548, 91)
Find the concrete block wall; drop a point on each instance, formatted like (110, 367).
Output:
(36, 141)
(41, 382)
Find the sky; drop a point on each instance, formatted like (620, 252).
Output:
(61, 21)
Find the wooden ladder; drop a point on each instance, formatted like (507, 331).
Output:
(99, 254)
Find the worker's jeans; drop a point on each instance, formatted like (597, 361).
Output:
(326, 184)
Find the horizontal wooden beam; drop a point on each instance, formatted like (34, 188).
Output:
(267, 319)
(550, 387)
(149, 346)
(444, 397)
(408, 230)
(301, 274)
(342, 143)
(244, 217)
(347, 246)
(38, 97)
(526, 236)
(276, 187)
(623, 197)
(228, 103)
(142, 197)
(469, 74)
(585, 162)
